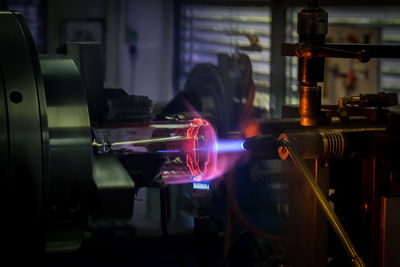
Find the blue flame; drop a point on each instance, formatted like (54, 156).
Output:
(169, 151)
(229, 146)
(201, 185)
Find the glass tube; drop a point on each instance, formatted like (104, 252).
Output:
(189, 146)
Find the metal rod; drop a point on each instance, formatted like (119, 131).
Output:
(145, 141)
(150, 141)
(326, 208)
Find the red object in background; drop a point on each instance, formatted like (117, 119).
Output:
(350, 80)
(352, 39)
(251, 129)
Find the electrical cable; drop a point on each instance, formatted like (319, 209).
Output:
(238, 214)
(240, 236)
(234, 242)
(228, 230)
(248, 91)
(165, 230)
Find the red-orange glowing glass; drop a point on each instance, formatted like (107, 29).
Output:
(189, 146)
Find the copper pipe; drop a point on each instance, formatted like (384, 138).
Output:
(326, 208)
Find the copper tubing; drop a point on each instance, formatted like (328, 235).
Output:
(310, 105)
(321, 199)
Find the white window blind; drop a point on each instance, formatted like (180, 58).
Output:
(207, 31)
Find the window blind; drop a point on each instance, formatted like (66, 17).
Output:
(207, 31)
(32, 11)
(386, 19)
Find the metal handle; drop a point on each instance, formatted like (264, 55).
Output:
(300, 164)
(362, 52)
(307, 51)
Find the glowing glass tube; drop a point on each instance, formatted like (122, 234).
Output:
(189, 146)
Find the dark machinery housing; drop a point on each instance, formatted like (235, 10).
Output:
(46, 146)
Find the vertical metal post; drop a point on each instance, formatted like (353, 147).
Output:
(277, 76)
